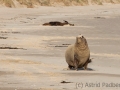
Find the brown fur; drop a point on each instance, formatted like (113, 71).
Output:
(56, 23)
(78, 54)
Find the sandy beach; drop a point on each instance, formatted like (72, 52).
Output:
(32, 55)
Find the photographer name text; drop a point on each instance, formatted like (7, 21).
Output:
(97, 85)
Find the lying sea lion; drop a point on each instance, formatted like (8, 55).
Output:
(57, 23)
(78, 54)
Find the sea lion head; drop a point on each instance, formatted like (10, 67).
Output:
(80, 39)
(66, 23)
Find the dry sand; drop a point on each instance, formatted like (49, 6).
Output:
(32, 55)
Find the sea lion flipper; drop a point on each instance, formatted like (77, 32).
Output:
(76, 62)
(85, 65)
(70, 67)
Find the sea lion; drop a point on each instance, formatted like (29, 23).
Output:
(57, 23)
(78, 54)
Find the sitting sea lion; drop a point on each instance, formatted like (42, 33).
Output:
(78, 54)
(57, 23)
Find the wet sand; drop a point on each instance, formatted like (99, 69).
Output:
(32, 55)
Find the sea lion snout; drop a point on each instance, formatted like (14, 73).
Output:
(71, 24)
(80, 36)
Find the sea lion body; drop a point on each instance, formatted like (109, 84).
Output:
(57, 23)
(78, 54)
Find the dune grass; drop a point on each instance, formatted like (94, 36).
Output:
(29, 3)
(7, 3)
(33, 3)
